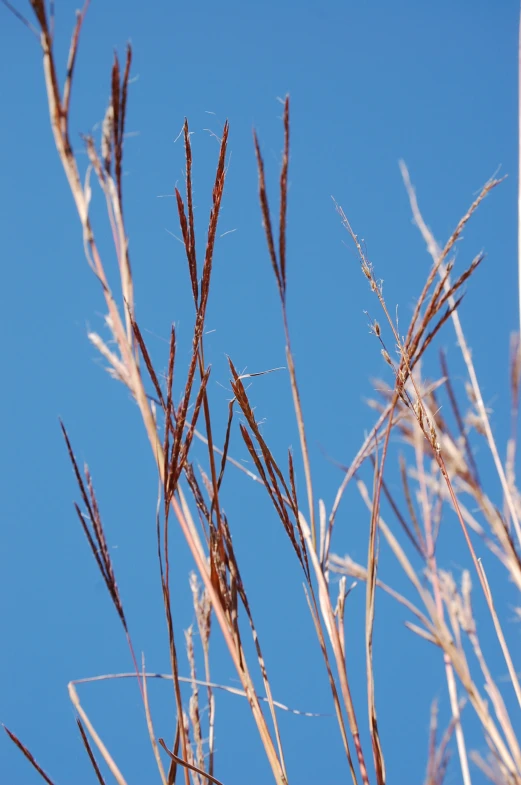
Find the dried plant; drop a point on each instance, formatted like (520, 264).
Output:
(438, 468)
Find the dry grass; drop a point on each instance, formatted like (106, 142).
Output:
(439, 471)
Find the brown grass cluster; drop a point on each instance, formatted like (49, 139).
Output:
(439, 473)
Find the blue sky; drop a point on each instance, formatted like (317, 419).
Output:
(370, 83)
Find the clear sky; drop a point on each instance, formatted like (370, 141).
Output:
(370, 82)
